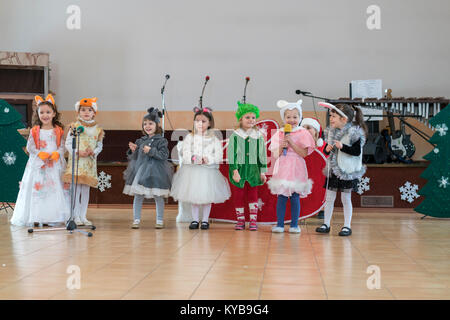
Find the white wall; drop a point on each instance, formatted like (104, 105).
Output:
(124, 48)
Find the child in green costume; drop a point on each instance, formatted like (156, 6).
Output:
(247, 164)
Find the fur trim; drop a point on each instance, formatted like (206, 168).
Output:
(302, 188)
(355, 133)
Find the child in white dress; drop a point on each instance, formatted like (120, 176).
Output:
(199, 180)
(41, 197)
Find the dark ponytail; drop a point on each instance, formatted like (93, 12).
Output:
(354, 115)
(359, 119)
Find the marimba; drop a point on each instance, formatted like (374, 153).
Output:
(423, 109)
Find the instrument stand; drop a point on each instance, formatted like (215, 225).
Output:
(5, 206)
(71, 226)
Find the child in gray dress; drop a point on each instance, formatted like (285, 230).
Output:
(149, 174)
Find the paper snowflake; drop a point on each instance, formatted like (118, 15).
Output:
(436, 150)
(363, 185)
(104, 181)
(443, 182)
(442, 129)
(9, 158)
(6, 110)
(409, 191)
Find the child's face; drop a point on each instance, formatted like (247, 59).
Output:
(86, 113)
(149, 127)
(336, 121)
(46, 115)
(311, 130)
(201, 123)
(248, 121)
(292, 117)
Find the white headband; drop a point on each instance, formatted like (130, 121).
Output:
(332, 107)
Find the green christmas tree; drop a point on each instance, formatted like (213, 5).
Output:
(12, 157)
(437, 190)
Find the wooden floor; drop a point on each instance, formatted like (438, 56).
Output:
(413, 257)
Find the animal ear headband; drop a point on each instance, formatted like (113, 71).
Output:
(87, 102)
(284, 105)
(40, 100)
(332, 107)
(207, 110)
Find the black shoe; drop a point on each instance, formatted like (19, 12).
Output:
(345, 232)
(194, 225)
(323, 229)
(205, 226)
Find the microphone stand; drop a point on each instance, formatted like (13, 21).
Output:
(70, 224)
(163, 103)
(245, 90)
(200, 102)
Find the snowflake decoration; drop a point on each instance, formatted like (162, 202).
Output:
(443, 182)
(6, 110)
(264, 128)
(104, 181)
(436, 150)
(442, 129)
(9, 158)
(260, 204)
(363, 185)
(409, 191)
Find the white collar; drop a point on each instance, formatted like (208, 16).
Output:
(252, 133)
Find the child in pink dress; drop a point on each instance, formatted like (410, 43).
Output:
(290, 175)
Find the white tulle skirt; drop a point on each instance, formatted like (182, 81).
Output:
(200, 185)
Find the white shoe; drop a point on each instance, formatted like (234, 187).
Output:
(295, 230)
(86, 222)
(78, 222)
(136, 224)
(277, 230)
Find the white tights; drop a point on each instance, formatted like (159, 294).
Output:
(346, 198)
(206, 209)
(81, 201)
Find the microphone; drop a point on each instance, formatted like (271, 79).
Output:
(302, 92)
(287, 131)
(80, 129)
(167, 76)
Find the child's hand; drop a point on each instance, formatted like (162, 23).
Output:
(284, 144)
(89, 152)
(289, 140)
(263, 178)
(83, 154)
(338, 144)
(146, 149)
(329, 148)
(236, 176)
(132, 146)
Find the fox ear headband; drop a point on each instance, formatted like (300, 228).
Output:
(40, 100)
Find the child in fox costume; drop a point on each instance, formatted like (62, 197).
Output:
(41, 197)
(90, 144)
